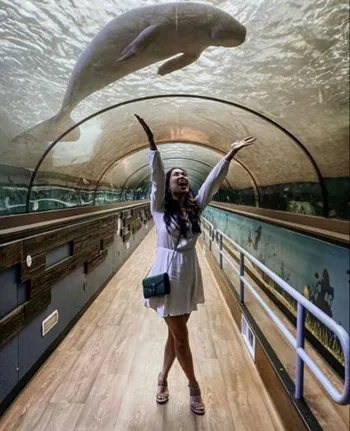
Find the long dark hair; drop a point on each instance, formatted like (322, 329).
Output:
(173, 214)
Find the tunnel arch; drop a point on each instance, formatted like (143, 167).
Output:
(148, 175)
(115, 163)
(264, 118)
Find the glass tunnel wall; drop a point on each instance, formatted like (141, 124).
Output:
(237, 77)
(68, 175)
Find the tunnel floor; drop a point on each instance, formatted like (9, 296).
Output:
(103, 375)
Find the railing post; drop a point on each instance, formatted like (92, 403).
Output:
(210, 237)
(299, 374)
(220, 248)
(241, 274)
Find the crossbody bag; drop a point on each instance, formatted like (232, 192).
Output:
(159, 284)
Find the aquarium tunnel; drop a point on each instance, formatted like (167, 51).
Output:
(270, 345)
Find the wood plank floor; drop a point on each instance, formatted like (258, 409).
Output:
(103, 375)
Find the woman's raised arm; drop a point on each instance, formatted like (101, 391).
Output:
(157, 170)
(218, 174)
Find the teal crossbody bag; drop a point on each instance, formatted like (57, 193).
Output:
(159, 284)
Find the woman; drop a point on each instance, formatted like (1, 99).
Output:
(176, 214)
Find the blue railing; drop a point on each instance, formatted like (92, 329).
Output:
(297, 343)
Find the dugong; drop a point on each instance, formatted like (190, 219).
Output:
(133, 41)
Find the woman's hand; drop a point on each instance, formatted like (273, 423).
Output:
(238, 145)
(148, 131)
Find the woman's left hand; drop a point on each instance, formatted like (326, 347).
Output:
(238, 145)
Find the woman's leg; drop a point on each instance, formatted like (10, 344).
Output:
(169, 358)
(178, 329)
(169, 353)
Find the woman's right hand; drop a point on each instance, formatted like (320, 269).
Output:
(238, 145)
(148, 131)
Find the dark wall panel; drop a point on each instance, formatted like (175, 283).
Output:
(23, 290)
(58, 254)
(100, 274)
(8, 367)
(64, 298)
(8, 290)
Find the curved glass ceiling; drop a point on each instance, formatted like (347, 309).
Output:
(198, 162)
(116, 134)
(286, 84)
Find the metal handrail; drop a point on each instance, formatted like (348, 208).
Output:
(303, 304)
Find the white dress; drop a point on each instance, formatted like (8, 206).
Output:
(186, 287)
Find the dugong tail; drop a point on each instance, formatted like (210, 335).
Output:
(49, 130)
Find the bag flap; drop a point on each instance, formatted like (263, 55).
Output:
(154, 280)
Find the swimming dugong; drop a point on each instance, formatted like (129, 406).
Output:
(137, 39)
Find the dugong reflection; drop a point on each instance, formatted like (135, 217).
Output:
(134, 40)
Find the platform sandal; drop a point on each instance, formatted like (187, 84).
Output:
(196, 402)
(162, 392)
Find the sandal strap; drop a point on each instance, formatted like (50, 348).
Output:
(197, 403)
(162, 394)
(162, 382)
(195, 400)
(162, 388)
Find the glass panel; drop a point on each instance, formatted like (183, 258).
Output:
(198, 161)
(182, 155)
(296, 75)
(116, 134)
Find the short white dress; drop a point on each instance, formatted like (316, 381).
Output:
(186, 287)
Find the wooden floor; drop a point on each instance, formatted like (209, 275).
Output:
(103, 375)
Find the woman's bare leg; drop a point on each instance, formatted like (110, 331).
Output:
(178, 329)
(169, 358)
(169, 353)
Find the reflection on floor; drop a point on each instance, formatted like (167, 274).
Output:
(103, 375)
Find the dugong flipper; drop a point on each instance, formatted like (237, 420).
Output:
(178, 62)
(144, 39)
(139, 44)
(176, 32)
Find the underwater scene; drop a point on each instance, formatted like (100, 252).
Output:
(300, 198)
(315, 268)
